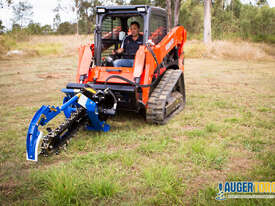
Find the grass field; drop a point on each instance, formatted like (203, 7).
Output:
(226, 132)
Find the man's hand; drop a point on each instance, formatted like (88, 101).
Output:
(118, 51)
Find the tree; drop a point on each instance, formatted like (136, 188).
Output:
(5, 2)
(177, 12)
(262, 3)
(207, 22)
(120, 2)
(224, 18)
(2, 27)
(66, 28)
(57, 19)
(16, 27)
(160, 3)
(169, 6)
(46, 29)
(191, 16)
(75, 8)
(235, 6)
(22, 12)
(87, 14)
(140, 2)
(169, 14)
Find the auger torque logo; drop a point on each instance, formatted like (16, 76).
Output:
(259, 190)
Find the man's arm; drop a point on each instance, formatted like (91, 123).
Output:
(120, 50)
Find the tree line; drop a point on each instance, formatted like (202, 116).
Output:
(254, 21)
(229, 19)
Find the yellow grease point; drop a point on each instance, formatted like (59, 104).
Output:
(91, 90)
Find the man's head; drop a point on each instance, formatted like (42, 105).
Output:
(134, 28)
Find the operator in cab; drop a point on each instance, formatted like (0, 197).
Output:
(129, 47)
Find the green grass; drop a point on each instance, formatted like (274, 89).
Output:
(265, 170)
(29, 48)
(66, 186)
(61, 187)
(164, 184)
(207, 155)
(128, 159)
(150, 147)
(226, 132)
(49, 48)
(232, 120)
(42, 49)
(255, 145)
(195, 133)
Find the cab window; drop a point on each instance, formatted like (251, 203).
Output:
(157, 28)
(111, 26)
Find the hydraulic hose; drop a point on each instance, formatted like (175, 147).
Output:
(129, 81)
(154, 56)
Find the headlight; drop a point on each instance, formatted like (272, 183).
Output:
(100, 10)
(141, 9)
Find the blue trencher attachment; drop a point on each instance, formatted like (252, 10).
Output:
(47, 113)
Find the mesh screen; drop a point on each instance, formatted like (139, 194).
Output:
(157, 28)
(111, 26)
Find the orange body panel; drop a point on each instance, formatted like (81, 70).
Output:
(102, 73)
(86, 61)
(80, 55)
(139, 61)
(85, 54)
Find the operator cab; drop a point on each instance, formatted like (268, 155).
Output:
(112, 26)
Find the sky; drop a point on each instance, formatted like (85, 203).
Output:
(43, 11)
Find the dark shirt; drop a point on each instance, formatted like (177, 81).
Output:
(131, 46)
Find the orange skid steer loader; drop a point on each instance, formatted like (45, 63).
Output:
(153, 86)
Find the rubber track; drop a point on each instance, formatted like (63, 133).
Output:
(155, 112)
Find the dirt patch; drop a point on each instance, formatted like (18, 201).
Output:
(240, 165)
(236, 165)
(51, 76)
